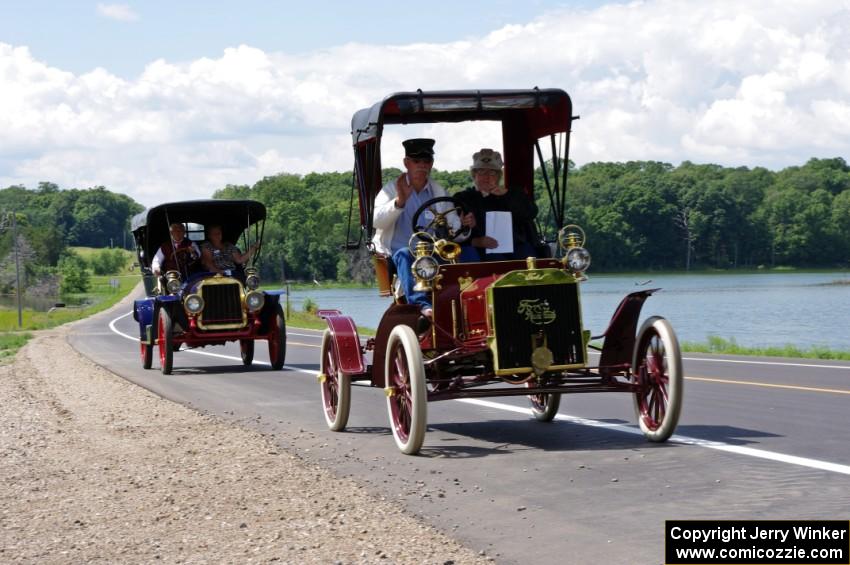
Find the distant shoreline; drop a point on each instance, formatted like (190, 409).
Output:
(330, 284)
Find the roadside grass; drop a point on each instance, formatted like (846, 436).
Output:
(309, 320)
(88, 252)
(717, 344)
(10, 343)
(101, 296)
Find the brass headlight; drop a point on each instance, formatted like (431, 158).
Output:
(426, 267)
(172, 282)
(194, 303)
(254, 300)
(252, 278)
(578, 259)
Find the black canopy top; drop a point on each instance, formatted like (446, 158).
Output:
(526, 117)
(150, 228)
(545, 111)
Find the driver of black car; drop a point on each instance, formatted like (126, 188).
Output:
(179, 253)
(395, 208)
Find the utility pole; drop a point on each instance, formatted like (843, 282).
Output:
(17, 269)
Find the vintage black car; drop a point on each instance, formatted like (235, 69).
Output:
(499, 328)
(191, 307)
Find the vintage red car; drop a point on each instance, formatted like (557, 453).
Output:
(499, 328)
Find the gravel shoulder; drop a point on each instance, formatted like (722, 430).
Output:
(98, 470)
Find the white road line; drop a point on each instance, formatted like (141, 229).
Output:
(307, 335)
(720, 446)
(783, 364)
(749, 362)
(207, 353)
(685, 440)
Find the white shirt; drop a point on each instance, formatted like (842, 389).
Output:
(156, 264)
(386, 215)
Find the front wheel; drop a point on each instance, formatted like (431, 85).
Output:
(543, 406)
(277, 339)
(165, 341)
(406, 395)
(246, 348)
(657, 370)
(336, 386)
(147, 355)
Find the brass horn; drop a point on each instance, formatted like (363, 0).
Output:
(447, 250)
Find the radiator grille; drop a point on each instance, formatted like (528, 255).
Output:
(222, 304)
(524, 311)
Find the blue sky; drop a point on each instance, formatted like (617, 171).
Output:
(77, 37)
(152, 98)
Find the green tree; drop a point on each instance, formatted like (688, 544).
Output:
(101, 218)
(108, 261)
(74, 273)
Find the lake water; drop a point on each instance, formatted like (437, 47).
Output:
(760, 309)
(37, 303)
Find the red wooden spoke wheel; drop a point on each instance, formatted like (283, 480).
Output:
(277, 339)
(406, 394)
(165, 341)
(543, 406)
(246, 349)
(147, 355)
(657, 370)
(335, 385)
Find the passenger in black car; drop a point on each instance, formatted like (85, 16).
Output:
(221, 256)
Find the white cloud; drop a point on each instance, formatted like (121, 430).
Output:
(120, 12)
(755, 83)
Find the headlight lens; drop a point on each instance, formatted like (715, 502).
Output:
(194, 303)
(172, 285)
(252, 281)
(578, 259)
(426, 267)
(255, 300)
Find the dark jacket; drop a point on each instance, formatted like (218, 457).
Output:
(523, 212)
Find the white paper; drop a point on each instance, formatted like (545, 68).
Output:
(500, 227)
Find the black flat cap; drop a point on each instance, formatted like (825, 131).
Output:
(419, 148)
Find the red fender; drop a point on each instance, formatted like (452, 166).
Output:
(344, 334)
(619, 344)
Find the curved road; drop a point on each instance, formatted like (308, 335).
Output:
(758, 439)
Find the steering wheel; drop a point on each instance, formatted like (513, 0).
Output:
(439, 226)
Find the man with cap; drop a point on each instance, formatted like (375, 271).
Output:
(488, 195)
(179, 253)
(395, 206)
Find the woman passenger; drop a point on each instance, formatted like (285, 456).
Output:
(488, 195)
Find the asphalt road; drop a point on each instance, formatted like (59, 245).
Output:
(758, 439)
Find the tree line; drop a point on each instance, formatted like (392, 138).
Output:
(48, 220)
(637, 215)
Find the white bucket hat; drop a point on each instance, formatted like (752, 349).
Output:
(487, 159)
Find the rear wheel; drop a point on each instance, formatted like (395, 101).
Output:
(657, 370)
(543, 406)
(277, 339)
(406, 395)
(147, 355)
(336, 386)
(165, 341)
(246, 347)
